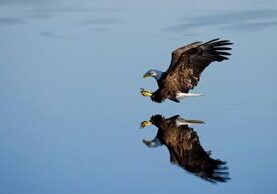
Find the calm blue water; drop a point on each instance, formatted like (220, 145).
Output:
(70, 106)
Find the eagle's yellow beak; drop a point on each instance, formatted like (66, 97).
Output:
(145, 92)
(145, 123)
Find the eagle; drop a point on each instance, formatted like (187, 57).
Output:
(185, 149)
(187, 64)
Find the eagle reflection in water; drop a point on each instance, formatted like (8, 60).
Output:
(185, 149)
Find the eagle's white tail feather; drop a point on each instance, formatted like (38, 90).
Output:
(181, 95)
(181, 121)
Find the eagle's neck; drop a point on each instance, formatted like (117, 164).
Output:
(158, 74)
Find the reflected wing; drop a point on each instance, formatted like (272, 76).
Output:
(188, 62)
(186, 151)
(201, 164)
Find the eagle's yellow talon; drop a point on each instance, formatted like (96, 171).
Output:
(145, 92)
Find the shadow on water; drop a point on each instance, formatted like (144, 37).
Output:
(232, 20)
(185, 148)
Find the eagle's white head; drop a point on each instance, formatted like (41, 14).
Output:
(153, 73)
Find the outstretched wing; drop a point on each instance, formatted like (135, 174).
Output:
(177, 53)
(188, 62)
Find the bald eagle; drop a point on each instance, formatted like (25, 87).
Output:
(185, 149)
(187, 64)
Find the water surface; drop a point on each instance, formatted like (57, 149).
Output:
(70, 74)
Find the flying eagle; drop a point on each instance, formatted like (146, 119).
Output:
(185, 149)
(187, 64)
